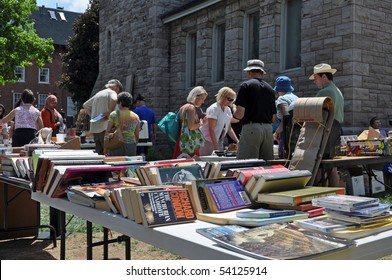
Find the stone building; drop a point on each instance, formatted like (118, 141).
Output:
(49, 23)
(163, 48)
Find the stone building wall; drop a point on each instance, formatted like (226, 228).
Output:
(353, 36)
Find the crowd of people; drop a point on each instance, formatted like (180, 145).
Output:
(244, 118)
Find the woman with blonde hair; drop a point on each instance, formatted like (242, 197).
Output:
(218, 124)
(49, 114)
(190, 123)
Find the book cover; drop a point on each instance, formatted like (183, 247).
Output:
(230, 218)
(345, 203)
(283, 242)
(244, 174)
(198, 195)
(178, 174)
(298, 196)
(277, 181)
(227, 196)
(211, 232)
(166, 207)
(264, 213)
(94, 202)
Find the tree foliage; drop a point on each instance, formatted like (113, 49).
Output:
(19, 42)
(81, 59)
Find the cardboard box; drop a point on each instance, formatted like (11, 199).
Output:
(378, 185)
(367, 148)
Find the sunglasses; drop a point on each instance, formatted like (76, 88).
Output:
(230, 99)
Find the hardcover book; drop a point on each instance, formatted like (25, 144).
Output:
(298, 196)
(282, 242)
(227, 196)
(160, 208)
(244, 174)
(277, 181)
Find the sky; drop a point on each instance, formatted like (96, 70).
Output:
(78, 6)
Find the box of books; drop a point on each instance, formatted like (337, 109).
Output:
(376, 147)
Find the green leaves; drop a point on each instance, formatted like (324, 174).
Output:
(19, 43)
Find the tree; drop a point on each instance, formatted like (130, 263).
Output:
(19, 42)
(81, 59)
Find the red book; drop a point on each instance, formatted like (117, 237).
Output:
(246, 173)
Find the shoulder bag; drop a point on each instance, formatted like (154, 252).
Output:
(115, 139)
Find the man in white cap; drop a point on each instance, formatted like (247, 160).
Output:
(102, 103)
(255, 107)
(323, 78)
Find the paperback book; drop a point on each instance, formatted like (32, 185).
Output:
(198, 195)
(227, 196)
(264, 213)
(324, 224)
(168, 207)
(179, 174)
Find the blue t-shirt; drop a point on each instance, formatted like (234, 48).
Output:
(146, 114)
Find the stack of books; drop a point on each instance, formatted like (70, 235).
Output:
(350, 216)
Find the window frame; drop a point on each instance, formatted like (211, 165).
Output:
(22, 72)
(46, 75)
(218, 52)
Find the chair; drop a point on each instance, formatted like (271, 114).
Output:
(317, 115)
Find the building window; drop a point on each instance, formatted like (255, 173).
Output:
(20, 73)
(190, 77)
(70, 107)
(43, 76)
(16, 97)
(109, 48)
(251, 35)
(291, 34)
(41, 100)
(62, 16)
(52, 15)
(218, 53)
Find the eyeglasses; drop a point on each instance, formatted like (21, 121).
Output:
(230, 99)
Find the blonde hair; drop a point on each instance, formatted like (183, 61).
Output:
(194, 93)
(223, 93)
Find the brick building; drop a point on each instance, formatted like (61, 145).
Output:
(49, 23)
(163, 48)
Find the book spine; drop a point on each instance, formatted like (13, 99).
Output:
(308, 198)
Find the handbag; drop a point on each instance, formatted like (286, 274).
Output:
(170, 125)
(115, 139)
(190, 140)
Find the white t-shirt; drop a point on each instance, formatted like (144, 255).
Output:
(223, 119)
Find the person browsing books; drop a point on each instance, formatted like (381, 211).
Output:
(255, 106)
(103, 102)
(128, 122)
(323, 78)
(286, 97)
(218, 123)
(190, 123)
(27, 120)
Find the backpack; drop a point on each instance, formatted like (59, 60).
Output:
(170, 125)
